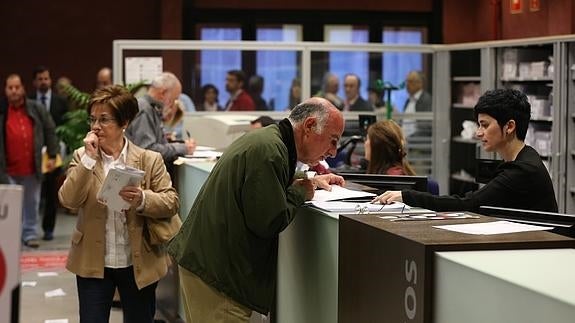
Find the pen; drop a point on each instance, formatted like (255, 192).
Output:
(188, 133)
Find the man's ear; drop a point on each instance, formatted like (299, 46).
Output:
(309, 124)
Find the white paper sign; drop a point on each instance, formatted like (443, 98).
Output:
(142, 69)
(10, 237)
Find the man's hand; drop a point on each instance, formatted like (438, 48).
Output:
(325, 181)
(308, 185)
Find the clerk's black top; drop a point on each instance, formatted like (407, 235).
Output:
(520, 184)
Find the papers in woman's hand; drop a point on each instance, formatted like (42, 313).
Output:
(117, 178)
(338, 193)
(350, 207)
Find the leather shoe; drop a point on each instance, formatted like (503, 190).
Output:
(32, 243)
(48, 236)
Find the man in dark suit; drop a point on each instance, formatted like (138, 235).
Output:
(419, 101)
(57, 106)
(354, 101)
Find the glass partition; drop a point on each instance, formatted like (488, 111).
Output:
(291, 71)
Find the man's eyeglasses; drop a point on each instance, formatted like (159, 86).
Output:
(103, 121)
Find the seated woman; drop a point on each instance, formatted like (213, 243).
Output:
(521, 181)
(385, 149)
(112, 249)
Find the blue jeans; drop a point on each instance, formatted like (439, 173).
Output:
(95, 296)
(32, 187)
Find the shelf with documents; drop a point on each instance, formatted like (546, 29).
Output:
(465, 70)
(569, 135)
(530, 69)
(462, 106)
(462, 140)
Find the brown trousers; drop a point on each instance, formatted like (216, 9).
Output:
(205, 304)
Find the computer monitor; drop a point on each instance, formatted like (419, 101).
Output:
(384, 183)
(365, 120)
(563, 224)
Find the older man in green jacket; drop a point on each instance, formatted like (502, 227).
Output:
(227, 247)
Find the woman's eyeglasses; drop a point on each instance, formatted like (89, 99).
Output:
(103, 121)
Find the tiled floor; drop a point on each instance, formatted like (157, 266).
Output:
(35, 307)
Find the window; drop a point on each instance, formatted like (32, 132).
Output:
(341, 63)
(215, 63)
(397, 65)
(278, 68)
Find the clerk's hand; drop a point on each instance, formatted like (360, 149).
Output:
(91, 145)
(308, 185)
(326, 180)
(190, 145)
(389, 197)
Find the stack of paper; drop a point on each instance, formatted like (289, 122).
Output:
(117, 179)
(488, 228)
(338, 193)
(208, 154)
(350, 207)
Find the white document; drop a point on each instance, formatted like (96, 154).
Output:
(204, 148)
(488, 228)
(337, 193)
(350, 207)
(209, 154)
(47, 274)
(117, 178)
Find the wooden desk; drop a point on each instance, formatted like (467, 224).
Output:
(386, 268)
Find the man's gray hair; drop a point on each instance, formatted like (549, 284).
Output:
(166, 80)
(308, 109)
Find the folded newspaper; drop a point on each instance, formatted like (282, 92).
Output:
(117, 179)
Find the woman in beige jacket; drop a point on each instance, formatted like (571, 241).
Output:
(111, 249)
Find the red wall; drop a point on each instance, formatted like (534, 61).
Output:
(75, 38)
(382, 5)
(554, 18)
(72, 38)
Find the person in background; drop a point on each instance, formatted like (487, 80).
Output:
(103, 77)
(294, 93)
(374, 98)
(146, 128)
(240, 100)
(520, 182)
(187, 103)
(173, 121)
(255, 90)
(385, 149)
(227, 248)
(57, 106)
(25, 127)
(209, 98)
(329, 89)
(353, 100)
(261, 122)
(419, 101)
(109, 248)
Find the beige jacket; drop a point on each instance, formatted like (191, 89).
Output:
(86, 256)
